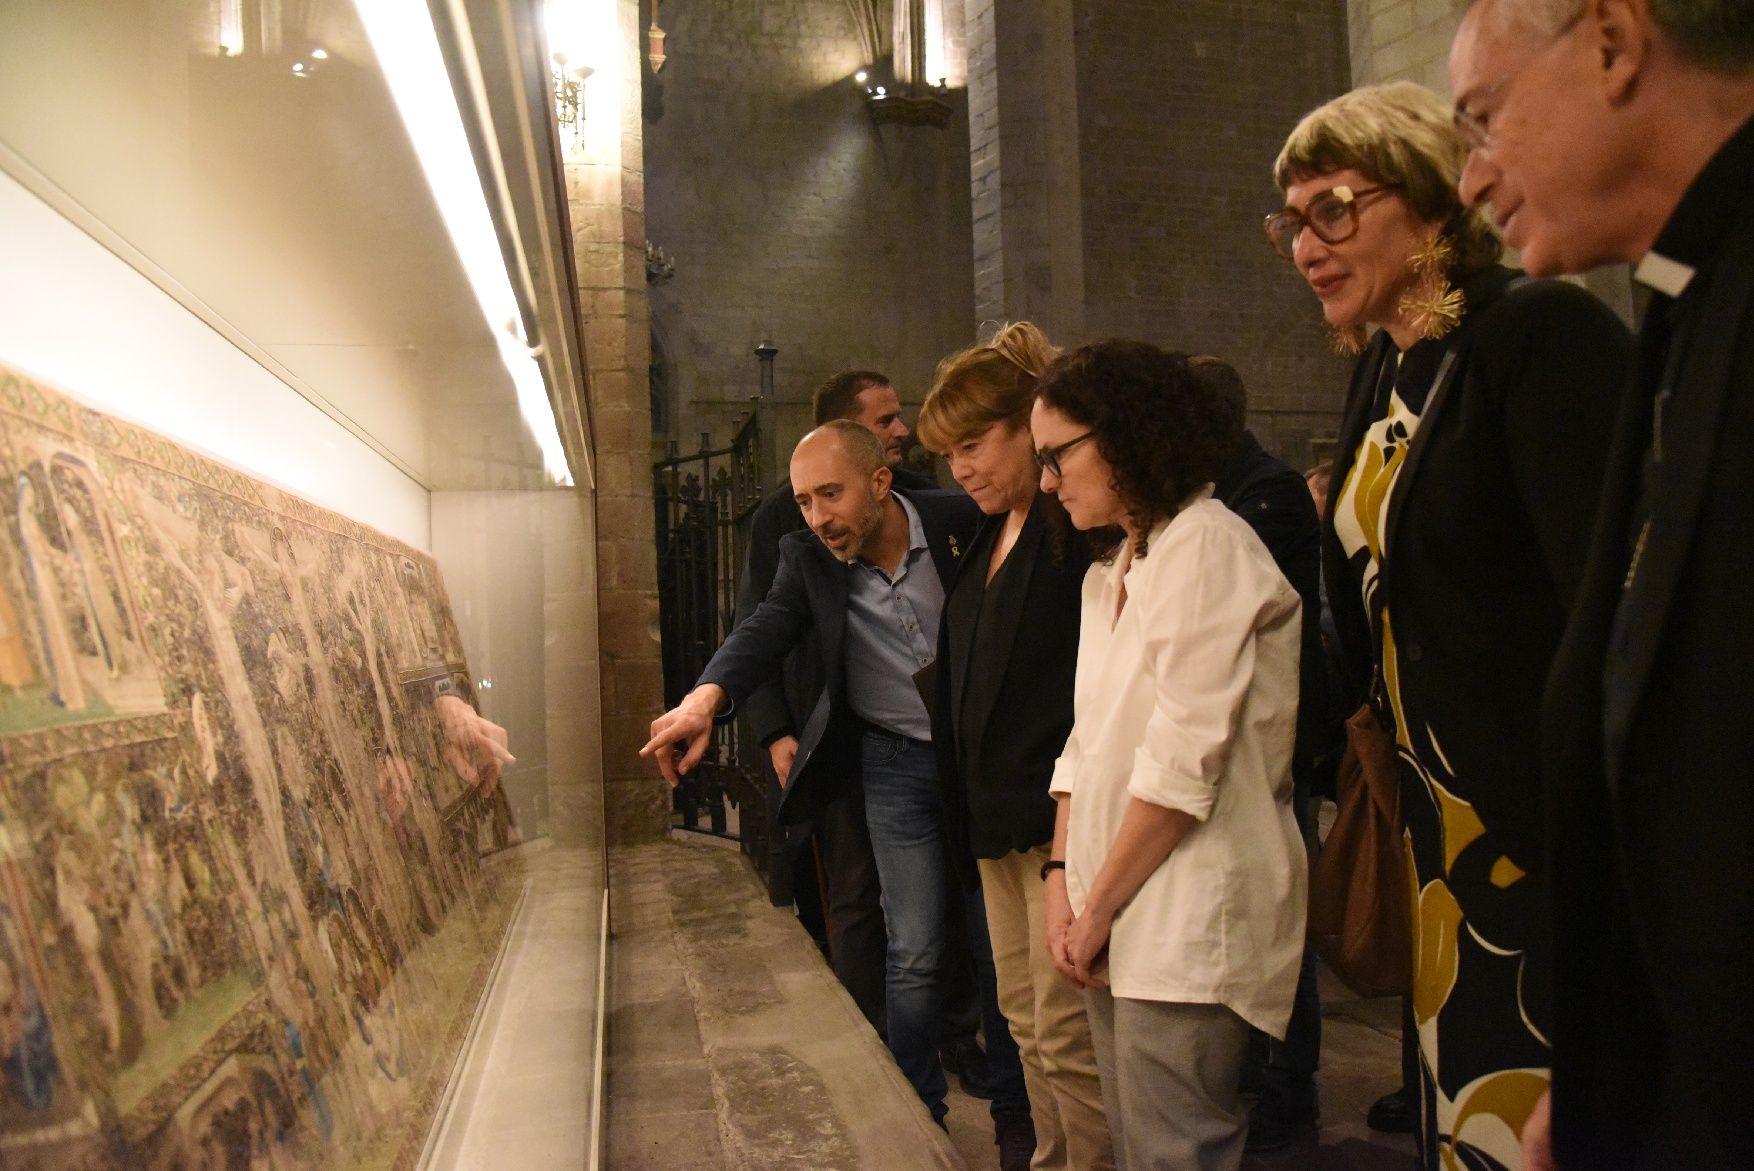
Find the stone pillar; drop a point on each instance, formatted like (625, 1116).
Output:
(606, 193)
(1024, 164)
(1402, 40)
(1121, 161)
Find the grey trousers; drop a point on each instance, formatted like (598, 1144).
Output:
(1169, 1082)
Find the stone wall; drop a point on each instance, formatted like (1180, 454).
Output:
(1182, 108)
(1122, 164)
(1402, 40)
(1025, 165)
(791, 216)
(605, 186)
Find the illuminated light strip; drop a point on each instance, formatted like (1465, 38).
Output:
(402, 35)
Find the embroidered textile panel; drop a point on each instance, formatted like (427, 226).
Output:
(246, 907)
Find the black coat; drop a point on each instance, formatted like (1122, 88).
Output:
(1488, 527)
(1274, 499)
(809, 596)
(1650, 744)
(1003, 704)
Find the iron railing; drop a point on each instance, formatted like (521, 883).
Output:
(705, 503)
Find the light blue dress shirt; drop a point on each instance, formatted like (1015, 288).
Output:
(892, 631)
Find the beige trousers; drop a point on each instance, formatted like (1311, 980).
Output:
(1046, 1014)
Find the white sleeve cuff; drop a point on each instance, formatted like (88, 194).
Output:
(1065, 775)
(1166, 787)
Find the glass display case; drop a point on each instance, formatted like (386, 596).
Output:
(297, 470)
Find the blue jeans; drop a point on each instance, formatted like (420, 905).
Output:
(904, 810)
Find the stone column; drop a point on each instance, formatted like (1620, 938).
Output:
(1121, 158)
(606, 192)
(1024, 164)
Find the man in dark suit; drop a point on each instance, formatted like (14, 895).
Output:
(868, 579)
(1275, 501)
(852, 911)
(1623, 131)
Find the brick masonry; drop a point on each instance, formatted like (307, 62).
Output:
(1403, 40)
(1121, 163)
(792, 217)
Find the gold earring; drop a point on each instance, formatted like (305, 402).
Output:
(1432, 306)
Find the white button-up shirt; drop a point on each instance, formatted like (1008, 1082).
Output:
(1189, 701)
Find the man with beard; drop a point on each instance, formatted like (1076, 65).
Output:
(852, 914)
(868, 578)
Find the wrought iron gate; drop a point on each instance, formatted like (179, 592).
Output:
(705, 503)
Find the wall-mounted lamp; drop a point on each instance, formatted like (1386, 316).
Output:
(925, 107)
(310, 61)
(569, 93)
(567, 39)
(659, 266)
(655, 42)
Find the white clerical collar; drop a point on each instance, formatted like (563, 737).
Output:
(1669, 277)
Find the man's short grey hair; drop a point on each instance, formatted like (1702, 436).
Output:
(1715, 35)
(862, 449)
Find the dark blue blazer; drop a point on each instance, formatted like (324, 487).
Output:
(809, 596)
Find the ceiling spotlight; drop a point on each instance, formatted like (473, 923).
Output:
(298, 67)
(881, 91)
(320, 54)
(861, 76)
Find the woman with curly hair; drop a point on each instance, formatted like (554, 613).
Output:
(1176, 889)
(1007, 648)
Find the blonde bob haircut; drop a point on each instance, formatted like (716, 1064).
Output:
(984, 385)
(1398, 134)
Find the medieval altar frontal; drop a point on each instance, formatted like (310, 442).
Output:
(246, 908)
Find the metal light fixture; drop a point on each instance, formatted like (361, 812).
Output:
(566, 37)
(569, 93)
(655, 42)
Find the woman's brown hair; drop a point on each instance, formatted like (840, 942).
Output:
(984, 385)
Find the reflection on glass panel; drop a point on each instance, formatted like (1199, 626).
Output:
(249, 149)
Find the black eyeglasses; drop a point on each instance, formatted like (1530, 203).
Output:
(1332, 216)
(1048, 458)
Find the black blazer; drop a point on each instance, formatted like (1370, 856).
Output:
(1650, 744)
(999, 722)
(1487, 529)
(809, 594)
(1274, 499)
(780, 706)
